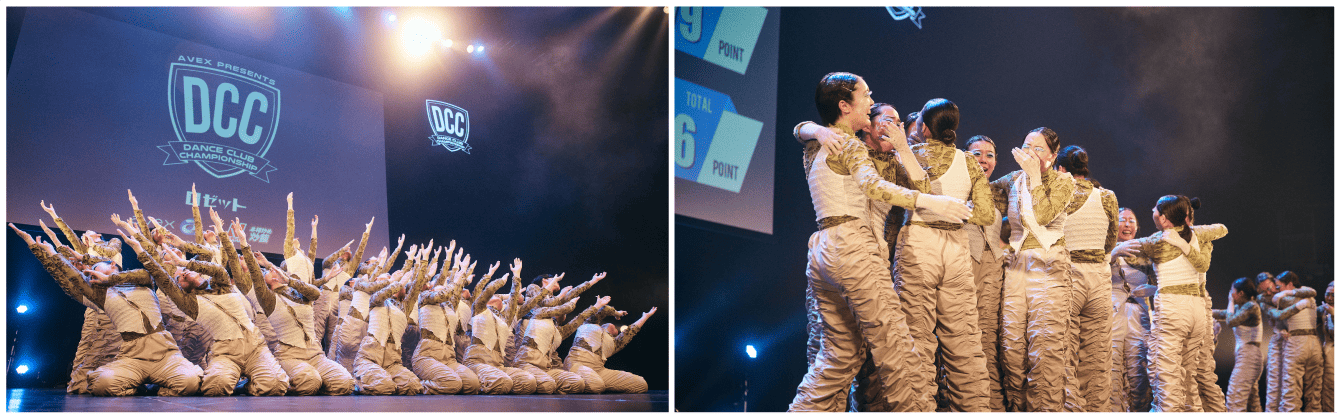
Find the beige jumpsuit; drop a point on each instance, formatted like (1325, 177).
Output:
(1132, 325)
(435, 360)
(237, 347)
(985, 249)
(147, 352)
(1179, 319)
(1036, 290)
(935, 280)
(377, 368)
(98, 339)
(538, 354)
(849, 276)
(1091, 232)
(1272, 329)
(1248, 357)
(1302, 356)
(587, 358)
(491, 331)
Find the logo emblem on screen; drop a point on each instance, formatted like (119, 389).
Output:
(225, 122)
(451, 125)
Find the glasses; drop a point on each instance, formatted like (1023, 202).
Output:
(1034, 148)
(1127, 221)
(978, 153)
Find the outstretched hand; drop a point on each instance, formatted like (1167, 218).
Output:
(51, 209)
(133, 202)
(598, 277)
(27, 238)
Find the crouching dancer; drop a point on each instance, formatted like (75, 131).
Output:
(594, 344)
(203, 293)
(148, 354)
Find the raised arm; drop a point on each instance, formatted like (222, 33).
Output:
(312, 247)
(195, 215)
(625, 336)
(165, 281)
(386, 292)
(572, 326)
(70, 280)
(70, 235)
(308, 291)
(386, 266)
(353, 266)
(565, 296)
(289, 248)
(483, 294)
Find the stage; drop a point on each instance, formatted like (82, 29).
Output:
(55, 399)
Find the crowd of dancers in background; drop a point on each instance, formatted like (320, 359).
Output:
(207, 317)
(932, 288)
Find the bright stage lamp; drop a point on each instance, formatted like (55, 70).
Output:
(750, 351)
(22, 369)
(470, 49)
(22, 309)
(447, 43)
(418, 36)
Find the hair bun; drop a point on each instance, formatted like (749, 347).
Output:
(1195, 203)
(949, 135)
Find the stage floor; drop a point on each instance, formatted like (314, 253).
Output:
(54, 399)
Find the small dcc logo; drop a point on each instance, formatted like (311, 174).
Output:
(451, 125)
(225, 121)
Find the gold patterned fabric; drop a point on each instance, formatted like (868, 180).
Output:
(948, 226)
(809, 150)
(1089, 256)
(1302, 332)
(832, 221)
(1195, 290)
(1050, 200)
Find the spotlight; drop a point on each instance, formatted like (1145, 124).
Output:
(22, 309)
(480, 49)
(750, 351)
(22, 369)
(418, 36)
(391, 17)
(447, 43)
(470, 49)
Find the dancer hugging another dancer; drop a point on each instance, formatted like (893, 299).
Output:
(848, 274)
(1181, 255)
(1130, 293)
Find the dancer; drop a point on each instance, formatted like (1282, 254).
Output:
(202, 292)
(148, 354)
(490, 331)
(1036, 288)
(933, 274)
(844, 270)
(1301, 357)
(435, 361)
(1091, 232)
(537, 349)
(378, 369)
(1267, 288)
(1181, 254)
(594, 343)
(1130, 292)
(986, 256)
(99, 342)
(1243, 316)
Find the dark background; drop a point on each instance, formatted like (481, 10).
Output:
(568, 171)
(1234, 106)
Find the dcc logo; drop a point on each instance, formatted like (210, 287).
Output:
(225, 122)
(450, 124)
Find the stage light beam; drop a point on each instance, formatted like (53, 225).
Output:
(750, 351)
(22, 309)
(22, 369)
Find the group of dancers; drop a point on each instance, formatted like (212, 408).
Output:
(207, 317)
(1031, 292)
